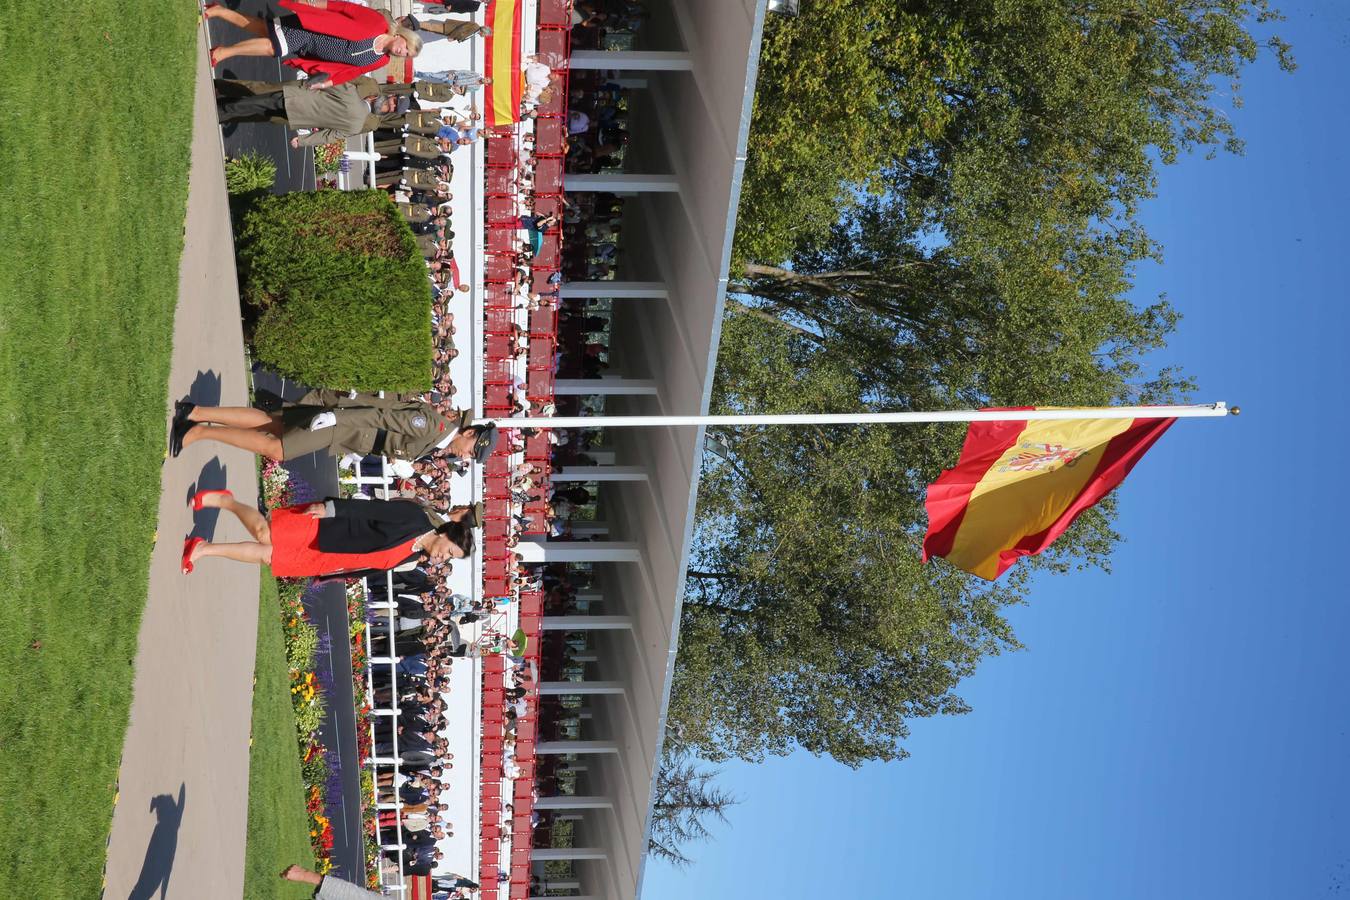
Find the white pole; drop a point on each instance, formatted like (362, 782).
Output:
(885, 418)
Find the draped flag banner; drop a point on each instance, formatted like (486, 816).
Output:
(419, 887)
(502, 97)
(1019, 485)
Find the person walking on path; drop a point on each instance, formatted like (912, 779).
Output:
(329, 887)
(336, 423)
(332, 40)
(334, 113)
(348, 538)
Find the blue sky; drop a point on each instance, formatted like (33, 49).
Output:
(1176, 729)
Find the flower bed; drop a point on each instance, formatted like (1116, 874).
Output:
(356, 619)
(328, 157)
(302, 642)
(307, 700)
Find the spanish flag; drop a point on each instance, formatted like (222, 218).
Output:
(502, 48)
(1019, 485)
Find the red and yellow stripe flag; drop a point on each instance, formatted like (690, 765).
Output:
(502, 49)
(1019, 485)
(419, 887)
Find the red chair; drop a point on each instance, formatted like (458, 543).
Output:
(497, 396)
(546, 204)
(501, 210)
(497, 346)
(500, 152)
(537, 448)
(501, 240)
(531, 603)
(499, 321)
(497, 268)
(541, 355)
(544, 322)
(550, 136)
(548, 176)
(540, 385)
(499, 181)
(555, 13)
(556, 105)
(498, 371)
(539, 282)
(550, 252)
(551, 46)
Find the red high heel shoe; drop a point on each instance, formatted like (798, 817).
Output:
(188, 546)
(198, 506)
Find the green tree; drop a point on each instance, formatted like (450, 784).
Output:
(985, 113)
(685, 805)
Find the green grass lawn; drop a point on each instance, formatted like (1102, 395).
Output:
(94, 156)
(277, 824)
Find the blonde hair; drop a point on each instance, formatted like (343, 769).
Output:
(410, 38)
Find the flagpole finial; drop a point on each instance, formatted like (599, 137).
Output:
(1235, 411)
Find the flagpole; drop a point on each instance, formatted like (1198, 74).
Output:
(1204, 410)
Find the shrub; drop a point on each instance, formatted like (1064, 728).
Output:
(249, 172)
(314, 771)
(300, 650)
(308, 717)
(339, 290)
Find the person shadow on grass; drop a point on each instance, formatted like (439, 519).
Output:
(163, 846)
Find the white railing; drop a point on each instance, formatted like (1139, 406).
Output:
(383, 486)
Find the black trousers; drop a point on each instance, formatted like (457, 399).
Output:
(269, 107)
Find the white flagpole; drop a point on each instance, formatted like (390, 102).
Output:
(1203, 410)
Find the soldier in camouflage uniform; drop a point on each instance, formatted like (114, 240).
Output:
(336, 423)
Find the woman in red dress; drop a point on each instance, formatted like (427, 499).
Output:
(338, 537)
(333, 40)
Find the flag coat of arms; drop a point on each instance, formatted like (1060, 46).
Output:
(1019, 485)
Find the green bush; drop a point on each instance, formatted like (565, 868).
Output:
(308, 717)
(300, 650)
(249, 172)
(316, 770)
(339, 290)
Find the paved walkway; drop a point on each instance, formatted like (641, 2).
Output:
(180, 822)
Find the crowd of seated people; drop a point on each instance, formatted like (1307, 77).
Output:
(433, 626)
(593, 21)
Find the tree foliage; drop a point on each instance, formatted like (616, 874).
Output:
(981, 110)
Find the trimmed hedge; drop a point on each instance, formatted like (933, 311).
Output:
(339, 290)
